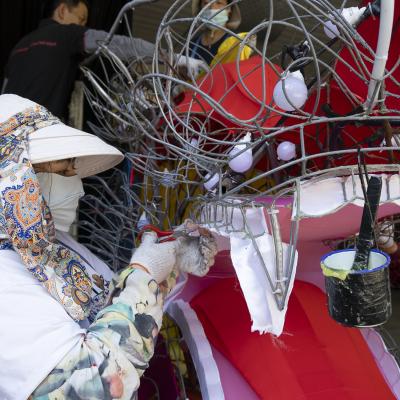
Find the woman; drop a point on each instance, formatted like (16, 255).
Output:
(59, 339)
(214, 44)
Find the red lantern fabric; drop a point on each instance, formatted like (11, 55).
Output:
(315, 358)
(369, 30)
(318, 138)
(242, 98)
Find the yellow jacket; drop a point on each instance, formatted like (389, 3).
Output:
(229, 50)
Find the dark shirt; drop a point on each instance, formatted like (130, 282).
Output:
(43, 65)
(201, 52)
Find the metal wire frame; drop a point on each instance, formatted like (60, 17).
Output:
(124, 123)
(174, 153)
(349, 38)
(179, 130)
(107, 217)
(228, 216)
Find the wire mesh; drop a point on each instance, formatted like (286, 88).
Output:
(219, 135)
(264, 118)
(271, 113)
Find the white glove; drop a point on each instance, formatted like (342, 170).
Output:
(193, 65)
(157, 258)
(194, 255)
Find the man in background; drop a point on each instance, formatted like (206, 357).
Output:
(44, 64)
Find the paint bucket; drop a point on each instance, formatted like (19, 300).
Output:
(357, 298)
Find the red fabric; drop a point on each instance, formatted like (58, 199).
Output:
(350, 136)
(369, 30)
(243, 101)
(314, 359)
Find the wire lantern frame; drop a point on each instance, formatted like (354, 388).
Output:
(182, 133)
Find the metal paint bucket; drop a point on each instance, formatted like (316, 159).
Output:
(357, 298)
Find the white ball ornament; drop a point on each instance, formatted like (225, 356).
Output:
(211, 181)
(350, 14)
(241, 162)
(286, 151)
(331, 29)
(291, 92)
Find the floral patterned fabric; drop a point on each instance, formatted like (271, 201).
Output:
(25, 219)
(116, 349)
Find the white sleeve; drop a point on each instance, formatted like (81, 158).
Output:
(124, 47)
(43, 351)
(36, 332)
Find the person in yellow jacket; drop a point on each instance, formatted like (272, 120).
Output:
(214, 45)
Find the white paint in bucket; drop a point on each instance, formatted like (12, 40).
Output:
(343, 260)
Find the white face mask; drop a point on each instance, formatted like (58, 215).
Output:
(62, 195)
(218, 17)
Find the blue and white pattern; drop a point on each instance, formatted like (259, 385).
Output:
(26, 224)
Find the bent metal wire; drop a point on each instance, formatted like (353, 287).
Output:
(180, 133)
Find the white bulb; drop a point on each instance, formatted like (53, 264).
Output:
(192, 146)
(241, 162)
(295, 90)
(351, 15)
(167, 179)
(143, 221)
(210, 182)
(286, 151)
(331, 29)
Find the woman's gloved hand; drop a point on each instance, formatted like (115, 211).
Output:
(195, 254)
(192, 254)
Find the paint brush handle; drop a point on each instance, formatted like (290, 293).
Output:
(365, 239)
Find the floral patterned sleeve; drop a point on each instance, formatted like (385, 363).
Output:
(116, 349)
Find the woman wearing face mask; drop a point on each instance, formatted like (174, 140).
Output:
(214, 44)
(63, 335)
